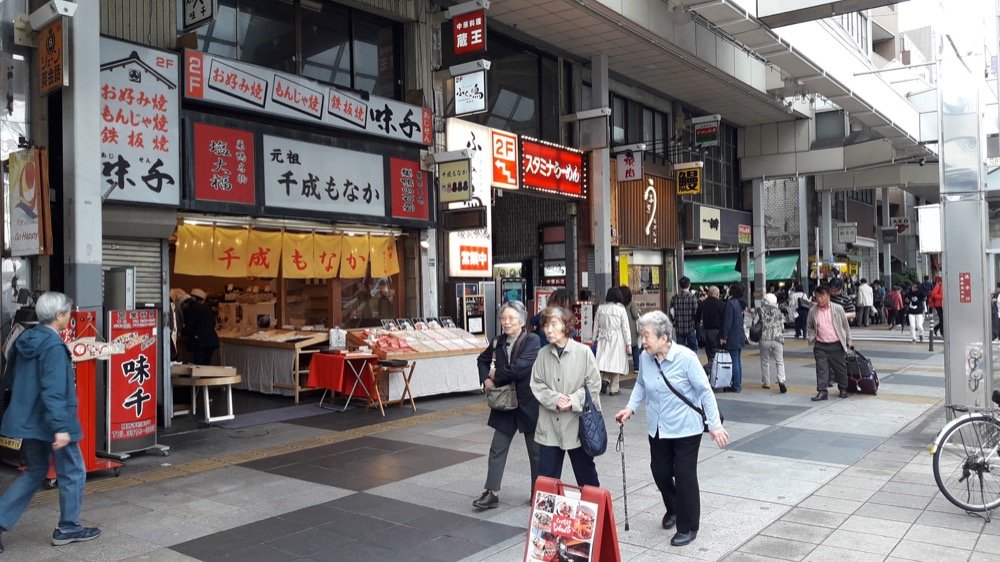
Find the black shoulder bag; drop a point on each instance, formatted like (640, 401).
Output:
(704, 419)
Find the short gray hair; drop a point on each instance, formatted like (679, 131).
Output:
(52, 304)
(659, 322)
(518, 307)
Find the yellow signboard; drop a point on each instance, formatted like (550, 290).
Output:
(52, 59)
(688, 181)
(623, 270)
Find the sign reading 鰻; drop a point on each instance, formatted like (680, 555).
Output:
(140, 124)
(314, 177)
(132, 380)
(554, 169)
(469, 32)
(688, 177)
(223, 164)
(254, 88)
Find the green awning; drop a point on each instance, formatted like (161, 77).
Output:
(703, 270)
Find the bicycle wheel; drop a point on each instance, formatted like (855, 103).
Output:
(967, 465)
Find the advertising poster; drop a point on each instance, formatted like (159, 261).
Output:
(562, 528)
(470, 252)
(30, 231)
(132, 380)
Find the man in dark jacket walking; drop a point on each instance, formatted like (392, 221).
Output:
(710, 314)
(43, 414)
(199, 328)
(732, 337)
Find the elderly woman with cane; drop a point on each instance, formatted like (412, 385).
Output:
(679, 405)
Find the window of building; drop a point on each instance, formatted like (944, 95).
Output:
(324, 41)
(830, 125)
(619, 118)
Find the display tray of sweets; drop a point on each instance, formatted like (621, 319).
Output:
(280, 338)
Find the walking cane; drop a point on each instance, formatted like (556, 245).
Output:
(620, 447)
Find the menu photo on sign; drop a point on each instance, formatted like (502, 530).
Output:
(470, 93)
(139, 123)
(562, 528)
(316, 177)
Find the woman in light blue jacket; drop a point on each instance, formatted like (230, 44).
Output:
(676, 414)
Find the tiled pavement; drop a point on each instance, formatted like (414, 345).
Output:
(843, 479)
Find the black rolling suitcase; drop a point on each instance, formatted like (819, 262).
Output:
(861, 375)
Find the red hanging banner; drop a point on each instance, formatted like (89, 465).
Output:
(132, 380)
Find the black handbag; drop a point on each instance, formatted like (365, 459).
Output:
(704, 419)
(757, 330)
(593, 432)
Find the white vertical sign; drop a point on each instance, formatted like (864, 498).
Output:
(470, 252)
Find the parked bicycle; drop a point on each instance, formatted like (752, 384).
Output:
(967, 458)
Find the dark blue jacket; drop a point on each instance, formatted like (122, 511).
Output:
(523, 352)
(732, 325)
(43, 401)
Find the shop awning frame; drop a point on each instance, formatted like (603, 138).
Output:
(721, 269)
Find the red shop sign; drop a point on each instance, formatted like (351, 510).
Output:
(474, 258)
(132, 380)
(553, 169)
(410, 198)
(469, 32)
(223, 164)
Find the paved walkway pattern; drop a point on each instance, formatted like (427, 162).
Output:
(839, 480)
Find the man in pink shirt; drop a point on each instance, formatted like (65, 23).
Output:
(828, 331)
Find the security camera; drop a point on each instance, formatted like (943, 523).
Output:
(49, 12)
(469, 67)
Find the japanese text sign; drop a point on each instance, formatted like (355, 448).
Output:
(706, 130)
(297, 255)
(197, 13)
(470, 93)
(132, 380)
(688, 176)
(383, 256)
(505, 162)
(561, 519)
(628, 166)
(463, 135)
(313, 177)
(53, 62)
(230, 256)
(263, 253)
(354, 258)
(139, 124)
(29, 206)
(453, 179)
(410, 196)
(223, 164)
(552, 169)
(254, 88)
(469, 32)
(327, 249)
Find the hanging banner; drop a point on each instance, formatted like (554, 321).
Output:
(30, 228)
(354, 258)
(132, 380)
(410, 195)
(469, 32)
(195, 249)
(628, 166)
(385, 260)
(230, 256)
(140, 123)
(53, 58)
(553, 169)
(327, 249)
(297, 255)
(260, 90)
(263, 253)
(315, 177)
(223, 164)
(470, 252)
(470, 93)
(505, 161)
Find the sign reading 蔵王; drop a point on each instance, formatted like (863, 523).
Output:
(470, 93)
(469, 32)
(139, 124)
(254, 88)
(223, 164)
(314, 177)
(554, 169)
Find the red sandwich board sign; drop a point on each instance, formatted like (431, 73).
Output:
(132, 381)
(571, 523)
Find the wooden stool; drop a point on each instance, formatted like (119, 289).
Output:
(386, 368)
(205, 383)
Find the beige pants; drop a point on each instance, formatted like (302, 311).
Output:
(612, 379)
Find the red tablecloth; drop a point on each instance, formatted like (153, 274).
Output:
(331, 371)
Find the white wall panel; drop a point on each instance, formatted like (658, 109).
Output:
(786, 137)
(769, 138)
(706, 45)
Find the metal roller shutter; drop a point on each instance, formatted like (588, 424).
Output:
(144, 255)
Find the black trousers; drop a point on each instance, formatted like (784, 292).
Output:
(674, 464)
(830, 356)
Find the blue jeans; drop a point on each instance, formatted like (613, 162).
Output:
(550, 463)
(689, 340)
(737, 369)
(71, 475)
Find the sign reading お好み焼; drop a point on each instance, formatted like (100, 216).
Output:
(254, 88)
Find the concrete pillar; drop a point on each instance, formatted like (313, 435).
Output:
(759, 241)
(826, 224)
(600, 186)
(803, 234)
(886, 248)
(81, 202)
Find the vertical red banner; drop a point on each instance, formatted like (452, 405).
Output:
(223, 164)
(132, 380)
(410, 196)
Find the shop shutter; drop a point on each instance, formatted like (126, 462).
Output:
(144, 254)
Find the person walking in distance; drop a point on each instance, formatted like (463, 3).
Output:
(828, 331)
(633, 317)
(935, 300)
(894, 307)
(683, 309)
(772, 342)
(614, 340)
(916, 308)
(508, 360)
(732, 338)
(866, 300)
(710, 313)
(800, 301)
(43, 414)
